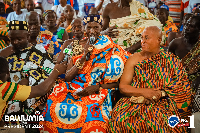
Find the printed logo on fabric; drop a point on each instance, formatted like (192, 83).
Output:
(68, 113)
(115, 68)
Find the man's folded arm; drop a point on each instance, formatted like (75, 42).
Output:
(127, 78)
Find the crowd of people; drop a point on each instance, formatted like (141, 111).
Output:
(100, 65)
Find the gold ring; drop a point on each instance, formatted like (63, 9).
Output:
(154, 98)
(90, 48)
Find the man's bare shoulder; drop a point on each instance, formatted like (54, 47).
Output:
(134, 59)
(109, 7)
(176, 42)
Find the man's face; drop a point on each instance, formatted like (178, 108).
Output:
(162, 16)
(34, 25)
(93, 29)
(190, 29)
(50, 19)
(18, 39)
(17, 5)
(69, 12)
(30, 6)
(149, 42)
(63, 1)
(2, 10)
(77, 28)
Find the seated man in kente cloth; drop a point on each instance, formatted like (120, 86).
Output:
(158, 78)
(74, 106)
(187, 48)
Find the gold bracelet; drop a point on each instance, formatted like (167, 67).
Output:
(78, 64)
(57, 70)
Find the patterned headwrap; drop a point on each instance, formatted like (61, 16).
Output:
(17, 25)
(92, 18)
(46, 12)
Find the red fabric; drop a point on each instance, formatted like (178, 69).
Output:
(72, 3)
(184, 5)
(6, 6)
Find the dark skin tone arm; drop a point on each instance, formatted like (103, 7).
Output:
(61, 55)
(65, 36)
(126, 81)
(100, 5)
(45, 86)
(172, 47)
(94, 88)
(171, 36)
(134, 47)
(60, 21)
(106, 18)
(73, 71)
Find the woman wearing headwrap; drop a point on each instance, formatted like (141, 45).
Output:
(50, 21)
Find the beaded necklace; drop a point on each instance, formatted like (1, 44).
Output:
(192, 60)
(77, 48)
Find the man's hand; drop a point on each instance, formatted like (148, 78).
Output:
(152, 95)
(111, 32)
(24, 82)
(87, 47)
(61, 68)
(88, 91)
(61, 19)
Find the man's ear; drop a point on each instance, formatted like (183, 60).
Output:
(159, 40)
(101, 27)
(7, 77)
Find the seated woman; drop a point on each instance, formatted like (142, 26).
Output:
(82, 103)
(50, 22)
